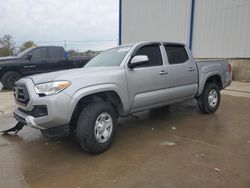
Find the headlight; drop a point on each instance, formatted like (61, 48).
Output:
(51, 88)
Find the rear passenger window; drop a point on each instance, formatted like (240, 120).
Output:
(154, 55)
(176, 54)
(54, 52)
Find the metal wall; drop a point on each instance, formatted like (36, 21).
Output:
(221, 27)
(155, 20)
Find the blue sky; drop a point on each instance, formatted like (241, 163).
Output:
(58, 20)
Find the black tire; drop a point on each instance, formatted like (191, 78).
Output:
(85, 130)
(203, 100)
(9, 78)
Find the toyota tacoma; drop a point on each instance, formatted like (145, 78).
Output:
(116, 83)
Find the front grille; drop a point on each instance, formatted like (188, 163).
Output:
(21, 94)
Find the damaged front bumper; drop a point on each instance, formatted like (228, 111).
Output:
(40, 112)
(26, 119)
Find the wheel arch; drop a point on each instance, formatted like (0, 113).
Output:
(4, 70)
(214, 77)
(109, 95)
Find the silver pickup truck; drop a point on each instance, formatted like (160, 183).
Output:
(116, 83)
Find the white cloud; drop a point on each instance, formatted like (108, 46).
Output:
(53, 20)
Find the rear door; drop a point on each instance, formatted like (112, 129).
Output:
(182, 71)
(147, 83)
(57, 58)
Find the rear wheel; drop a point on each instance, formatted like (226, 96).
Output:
(96, 127)
(209, 100)
(9, 78)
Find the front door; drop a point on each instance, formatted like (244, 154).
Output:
(147, 83)
(38, 62)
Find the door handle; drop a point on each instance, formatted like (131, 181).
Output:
(29, 66)
(191, 69)
(162, 72)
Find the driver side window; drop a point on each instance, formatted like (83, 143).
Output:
(154, 55)
(39, 53)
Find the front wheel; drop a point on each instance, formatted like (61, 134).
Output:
(209, 100)
(96, 127)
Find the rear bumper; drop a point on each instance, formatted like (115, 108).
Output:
(228, 83)
(228, 80)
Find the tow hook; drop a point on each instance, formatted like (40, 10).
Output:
(15, 129)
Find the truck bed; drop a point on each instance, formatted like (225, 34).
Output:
(207, 68)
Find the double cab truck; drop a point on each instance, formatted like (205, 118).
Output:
(116, 83)
(36, 60)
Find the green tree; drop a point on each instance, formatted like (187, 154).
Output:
(72, 53)
(7, 45)
(26, 45)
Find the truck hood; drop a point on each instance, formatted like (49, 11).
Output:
(83, 74)
(9, 58)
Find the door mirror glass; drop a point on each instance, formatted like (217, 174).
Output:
(138, 60)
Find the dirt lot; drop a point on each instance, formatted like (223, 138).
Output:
(179, 147)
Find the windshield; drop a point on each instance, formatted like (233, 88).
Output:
(24, 52)
(112, 57)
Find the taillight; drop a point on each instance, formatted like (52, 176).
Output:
(229, 68)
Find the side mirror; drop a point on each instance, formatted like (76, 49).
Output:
(138, 60)
(29, 56)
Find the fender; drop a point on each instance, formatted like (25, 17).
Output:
(89, 90)
(204, 77)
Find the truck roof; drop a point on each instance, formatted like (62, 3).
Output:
(48, 46)
(163, 42)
